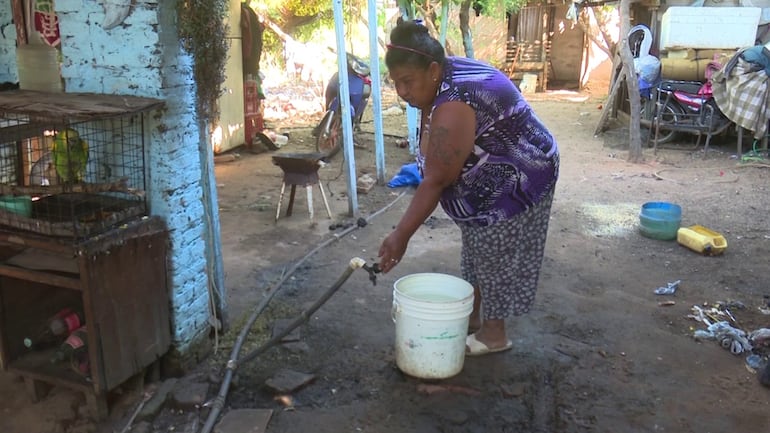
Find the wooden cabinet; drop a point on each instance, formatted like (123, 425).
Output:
(118, 279)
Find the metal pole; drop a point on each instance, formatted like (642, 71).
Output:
(411, 123)
(407, 13)
(347, 124)
(374, 66)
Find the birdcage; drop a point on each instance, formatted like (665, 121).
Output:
(72, 165)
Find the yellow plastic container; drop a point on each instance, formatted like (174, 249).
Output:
(701, 240)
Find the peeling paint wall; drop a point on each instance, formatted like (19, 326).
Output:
(8, 68)
(142, 56)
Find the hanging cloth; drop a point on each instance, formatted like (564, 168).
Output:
(742, 91)
(46, 22)
(251, 31)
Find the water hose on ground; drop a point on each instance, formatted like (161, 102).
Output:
(355, 263)
(233, 363)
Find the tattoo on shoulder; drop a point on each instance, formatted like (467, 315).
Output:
(440, 149)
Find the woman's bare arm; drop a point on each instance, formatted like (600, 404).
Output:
(452, 136)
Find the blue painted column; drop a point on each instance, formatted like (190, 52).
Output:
(374, 62)
(412, 114)
(347, 123)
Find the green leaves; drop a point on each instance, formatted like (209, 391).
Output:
(203, 34)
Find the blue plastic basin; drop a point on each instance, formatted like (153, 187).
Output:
(660, 220)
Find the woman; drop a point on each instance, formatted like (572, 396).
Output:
(492, 165)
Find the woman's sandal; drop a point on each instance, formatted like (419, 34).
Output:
(474, 347)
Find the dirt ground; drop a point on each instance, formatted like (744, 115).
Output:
(599, 352)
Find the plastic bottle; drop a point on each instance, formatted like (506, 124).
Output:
(75, 345)
(56, 328)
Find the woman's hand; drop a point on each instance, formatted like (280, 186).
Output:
(392, 250)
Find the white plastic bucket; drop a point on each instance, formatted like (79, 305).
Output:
(431, 313)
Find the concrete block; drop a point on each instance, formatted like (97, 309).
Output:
(365, 183)
(244, 421)
(288, 381)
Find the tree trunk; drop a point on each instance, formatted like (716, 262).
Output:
(465, 28)
(432, 28)
(406, 8)
(276, 29)
(607, 109)
(363, 19)
(604, 44)
(635, 106)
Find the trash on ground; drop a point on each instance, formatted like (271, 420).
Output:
(409, 175)
(733, 339)
(286, 401)
(428, 388)
(760, 337)
(669, 289)
(701, 240)
(709, 315)
(756, 362)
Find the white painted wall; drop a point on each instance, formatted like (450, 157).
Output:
(229, 132)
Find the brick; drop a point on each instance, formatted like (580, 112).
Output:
(288, 381)
(244, 421)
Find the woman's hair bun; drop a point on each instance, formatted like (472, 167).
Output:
(406, 32)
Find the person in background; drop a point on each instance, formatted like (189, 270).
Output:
(490, 162)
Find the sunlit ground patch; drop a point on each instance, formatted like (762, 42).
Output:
(618, 219)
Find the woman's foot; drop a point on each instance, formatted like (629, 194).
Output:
(474, 347)
(492, 335)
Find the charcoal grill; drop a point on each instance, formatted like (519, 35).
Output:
(300, 169)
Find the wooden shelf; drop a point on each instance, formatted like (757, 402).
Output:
(37, 366)
(119, 282)
(36, 105)
(41, 277)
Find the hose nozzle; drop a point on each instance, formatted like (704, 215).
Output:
(373, 270)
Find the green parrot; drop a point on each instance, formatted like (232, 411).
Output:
(70, 155)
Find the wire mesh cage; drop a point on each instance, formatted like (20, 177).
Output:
(71, 165)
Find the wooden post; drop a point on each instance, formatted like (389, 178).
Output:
(635, 142)
(607, 109)
(17, 6)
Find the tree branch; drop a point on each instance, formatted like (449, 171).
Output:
(432, 28)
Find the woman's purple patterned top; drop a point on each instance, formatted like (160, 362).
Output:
(515, 161)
